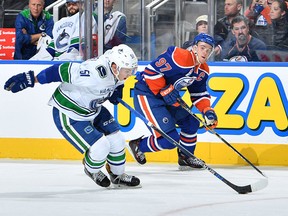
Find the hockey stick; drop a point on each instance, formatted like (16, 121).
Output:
(187, 108)
(262, 183)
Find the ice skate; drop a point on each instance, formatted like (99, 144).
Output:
(99, 178)
(135, 151)
(188, 163)
(124, 180)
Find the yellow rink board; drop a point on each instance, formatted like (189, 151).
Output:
(211, 153)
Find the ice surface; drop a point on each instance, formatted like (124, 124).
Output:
(60, 188)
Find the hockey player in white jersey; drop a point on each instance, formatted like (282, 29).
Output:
(79, 114)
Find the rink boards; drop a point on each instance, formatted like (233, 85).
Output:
(250, 100)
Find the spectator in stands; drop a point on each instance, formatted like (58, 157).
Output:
(260, 21)
(115, 26)
(202, 24)
(201, 27)
(30, 24)
(245, 46)
(278, 15)
(65, 42)
(222, 29)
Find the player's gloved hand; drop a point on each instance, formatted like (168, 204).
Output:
(210, 117)
(118, 93)
(170, 95)
(20, 82)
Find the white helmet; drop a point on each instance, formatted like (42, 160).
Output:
(123, 56)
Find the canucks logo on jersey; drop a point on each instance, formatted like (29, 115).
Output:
(62, 40)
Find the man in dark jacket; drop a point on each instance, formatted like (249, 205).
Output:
(30, 24)
(244, 46)
(222, 31)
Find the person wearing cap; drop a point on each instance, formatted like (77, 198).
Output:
(156, 95)
(30, 24)
(202, 24)
(201, 27)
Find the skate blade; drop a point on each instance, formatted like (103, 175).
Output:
(188, 168)
(122, 187)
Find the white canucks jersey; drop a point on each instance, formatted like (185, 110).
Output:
(66, 33)
(85, 86)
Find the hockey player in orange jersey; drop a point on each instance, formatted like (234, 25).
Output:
(156, 93)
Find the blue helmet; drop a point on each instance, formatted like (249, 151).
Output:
(204, 38)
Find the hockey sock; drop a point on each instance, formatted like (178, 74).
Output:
(152, 144)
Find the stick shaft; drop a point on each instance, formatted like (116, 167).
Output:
(187, 108)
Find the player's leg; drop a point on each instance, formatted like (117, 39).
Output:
(188, 138)
(155, 111)
(116, 158)
(86, 139)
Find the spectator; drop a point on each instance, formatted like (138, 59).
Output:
(114, 26)
(65, 43)
(258, 14)
(201, 27)
(222, 29)
(245, 46)
(278, 14)
(202, 24)
(30, 24)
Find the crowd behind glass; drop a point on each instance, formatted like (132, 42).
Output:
(257, 31)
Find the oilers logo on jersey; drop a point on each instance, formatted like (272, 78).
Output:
(183, 82)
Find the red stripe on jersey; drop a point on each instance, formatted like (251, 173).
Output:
(152, 144)
(149, 72)
(147, 112)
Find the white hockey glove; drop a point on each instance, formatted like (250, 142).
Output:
(210, 117)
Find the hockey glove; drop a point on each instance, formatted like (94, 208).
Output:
(210, 117)
(20, 82)
(170, 95)
(118, 93)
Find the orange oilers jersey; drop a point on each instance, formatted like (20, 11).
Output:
(178, 67)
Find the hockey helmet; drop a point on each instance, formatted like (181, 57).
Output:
(123, 56)
(204, 38)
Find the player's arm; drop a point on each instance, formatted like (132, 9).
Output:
(201, 99)
(24, 80)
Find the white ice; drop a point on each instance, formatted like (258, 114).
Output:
(60, 188)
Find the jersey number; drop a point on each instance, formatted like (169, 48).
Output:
(85, 73)
(161, 62)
